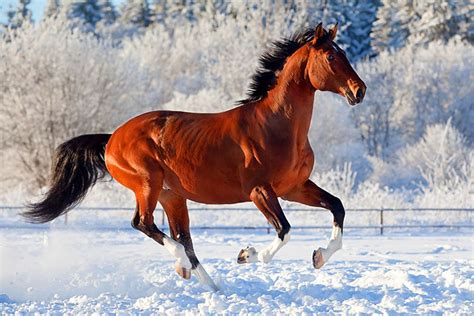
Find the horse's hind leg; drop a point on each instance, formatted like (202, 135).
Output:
(178, 219)
(310, 194)
(143, 220)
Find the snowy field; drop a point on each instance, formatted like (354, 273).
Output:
(73, 270)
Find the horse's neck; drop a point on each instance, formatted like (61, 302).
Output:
(288, 107)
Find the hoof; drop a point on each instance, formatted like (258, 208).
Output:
(183, 272)
(247, 255)
(318, 260)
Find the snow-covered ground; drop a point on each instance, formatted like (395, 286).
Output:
(75, 270)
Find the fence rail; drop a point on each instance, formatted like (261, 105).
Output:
(465, 216)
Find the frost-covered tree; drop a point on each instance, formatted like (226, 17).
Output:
(136, 12)
(52, 8)
(392, 25)
(58, 83)
(375, 118)
(355, 20)
(107, 12)
(421, 22)
(442, 20)
(412, 88)
(95, 16)
(441, 157)
(86, 11)
(222, 54)
(341, 145)
(177, 10)
(359, 16)
(158, 11)
(437, 86)
(171, 11)
(20, 15)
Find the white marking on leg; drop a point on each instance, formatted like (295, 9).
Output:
(177, 250)
(204, 278)
(267, 254)
(334, 244)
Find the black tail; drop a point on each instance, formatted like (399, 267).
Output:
(77, 165)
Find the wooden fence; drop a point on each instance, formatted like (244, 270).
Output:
(464, 217)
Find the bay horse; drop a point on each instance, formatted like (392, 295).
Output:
(258, 151)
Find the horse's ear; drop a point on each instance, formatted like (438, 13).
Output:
(318, 33)
(333, 32)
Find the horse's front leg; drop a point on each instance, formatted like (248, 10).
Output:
(310, 194)
(267, 202)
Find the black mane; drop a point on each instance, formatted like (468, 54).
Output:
(273, 60)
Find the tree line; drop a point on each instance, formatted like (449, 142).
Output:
(368, 27)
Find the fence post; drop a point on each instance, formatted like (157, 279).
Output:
(381, 221)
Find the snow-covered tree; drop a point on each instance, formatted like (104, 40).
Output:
(158, 10)
(175, 10)
(412, 88)
(437, 86)
(421, 22)
(442, 20)
(440, 157)
(359, 16)
(52, 8)
(107, 12)
(96, 16)
(355, 20)
(375, 119)
(169, 11)
(392, 25)
(87, 12)
(136, 12)
(20, 15)
(341, 145)
(58, 83)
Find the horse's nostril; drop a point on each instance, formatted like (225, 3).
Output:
(359, 94)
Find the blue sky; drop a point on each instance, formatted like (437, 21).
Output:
(37, 6)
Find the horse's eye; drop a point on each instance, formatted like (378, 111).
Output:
(330, 57)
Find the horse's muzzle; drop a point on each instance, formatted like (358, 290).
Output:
(355, 95)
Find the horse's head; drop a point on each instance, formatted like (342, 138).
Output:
(329, 69)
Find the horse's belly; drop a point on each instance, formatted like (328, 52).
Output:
(223, 179)
(206, 184)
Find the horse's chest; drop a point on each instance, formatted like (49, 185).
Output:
(295, 171)
(283, 167)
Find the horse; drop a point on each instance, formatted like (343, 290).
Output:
(257, 151)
